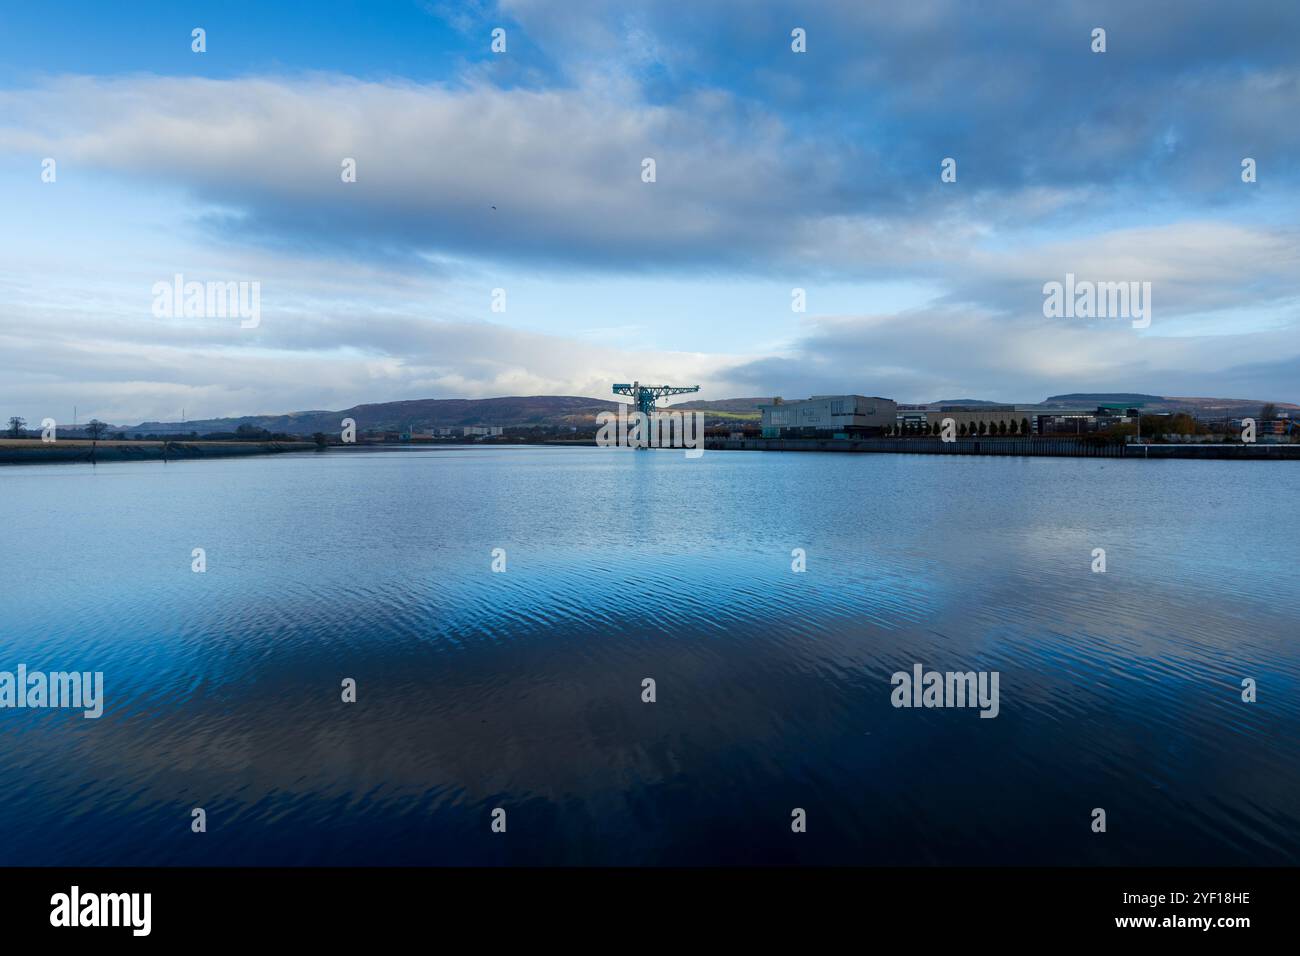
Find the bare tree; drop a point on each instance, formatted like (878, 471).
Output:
(16, 426)
(95, 429)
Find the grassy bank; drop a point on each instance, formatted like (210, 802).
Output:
(28, 451)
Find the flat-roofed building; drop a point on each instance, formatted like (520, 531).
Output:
(1016, 420)
(826, 416)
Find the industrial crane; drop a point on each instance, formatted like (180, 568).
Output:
(645, 396)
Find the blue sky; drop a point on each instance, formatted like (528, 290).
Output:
(775, 170)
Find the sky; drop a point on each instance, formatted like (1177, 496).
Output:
(523, 171)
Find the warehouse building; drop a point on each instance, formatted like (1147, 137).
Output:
(987, 419)
(998, 420)
(828, 416)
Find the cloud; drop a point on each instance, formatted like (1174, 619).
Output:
(562, 167)
(1012, 90)
(945, 353)
(133, 370)
(1195, 268)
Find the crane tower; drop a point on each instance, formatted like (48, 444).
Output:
(645, 396)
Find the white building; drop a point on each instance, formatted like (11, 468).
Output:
(482, 431)
(825, 416)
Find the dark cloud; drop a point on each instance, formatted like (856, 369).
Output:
(933, 354)
(762, 155)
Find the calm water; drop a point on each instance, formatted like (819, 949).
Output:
(522, 690)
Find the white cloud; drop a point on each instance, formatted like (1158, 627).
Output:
(562, 167)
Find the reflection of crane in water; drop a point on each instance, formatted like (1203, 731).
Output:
(645, 396)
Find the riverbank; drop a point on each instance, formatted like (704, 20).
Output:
(1036, 447)
(29, 451)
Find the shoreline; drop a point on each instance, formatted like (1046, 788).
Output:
(1046, 447)
(24, 451)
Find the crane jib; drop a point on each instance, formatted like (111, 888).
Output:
(645, 397)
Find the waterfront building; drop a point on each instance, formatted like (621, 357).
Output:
(828, 416)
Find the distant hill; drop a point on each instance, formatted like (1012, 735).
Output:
(545, 410)
(1102, 398)
(1203, 407)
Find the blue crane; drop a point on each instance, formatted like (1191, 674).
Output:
(645, 396)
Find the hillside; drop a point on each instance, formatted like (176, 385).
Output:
(1075, 399)
(1153, 404)
(553, 411)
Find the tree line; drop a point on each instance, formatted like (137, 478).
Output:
(997, 429)
(96, 430)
